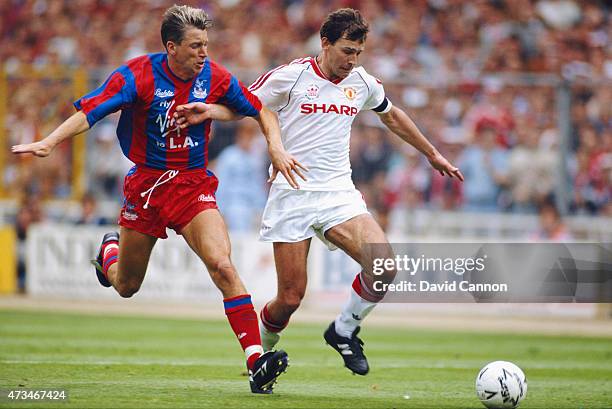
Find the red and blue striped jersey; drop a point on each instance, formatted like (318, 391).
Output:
(147, 92)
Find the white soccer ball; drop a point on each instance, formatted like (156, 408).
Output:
(501, 384)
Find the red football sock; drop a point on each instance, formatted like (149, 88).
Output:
(243, 320)
(110, 255)
(269, 323)
(364, 292)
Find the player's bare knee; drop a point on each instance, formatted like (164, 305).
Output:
(384, 274)
(378, 264)
(291, 299)
(224, 273)
(126, 290)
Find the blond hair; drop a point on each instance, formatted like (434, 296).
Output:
(178, 18)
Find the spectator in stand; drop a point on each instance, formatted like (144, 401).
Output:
(485, 167)
(598, 192)
(373, 156)
(408, 180)
(29, 212)
(89, 212)
(492, 111)
(240, 168)
(531, 170)
(552, 227)
(108, 166)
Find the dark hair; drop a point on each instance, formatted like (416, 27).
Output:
(176, 20)
(548, 204)
(344, 23)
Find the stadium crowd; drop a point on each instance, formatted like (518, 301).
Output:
(437, 58)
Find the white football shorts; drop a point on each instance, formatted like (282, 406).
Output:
(295, 215)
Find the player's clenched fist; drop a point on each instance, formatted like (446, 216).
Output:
(193, 113)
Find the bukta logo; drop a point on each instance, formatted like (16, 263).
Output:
(127, 215)
(163, 93)
(206, 198)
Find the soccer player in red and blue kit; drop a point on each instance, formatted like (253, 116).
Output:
(170, 186)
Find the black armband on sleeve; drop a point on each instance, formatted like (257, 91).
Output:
(383, 105)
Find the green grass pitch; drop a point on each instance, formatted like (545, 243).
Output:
(133, 362)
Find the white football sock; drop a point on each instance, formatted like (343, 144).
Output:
(356, 307)
(268, 338)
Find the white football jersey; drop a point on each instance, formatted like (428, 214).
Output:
(316, 115)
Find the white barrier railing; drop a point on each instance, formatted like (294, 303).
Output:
(492, 226)
(58, 266)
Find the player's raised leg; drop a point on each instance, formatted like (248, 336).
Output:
(290, 259)
(351, 236)
(122, 260)
(207, 235)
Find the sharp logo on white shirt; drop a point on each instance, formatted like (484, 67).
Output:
(328, 109)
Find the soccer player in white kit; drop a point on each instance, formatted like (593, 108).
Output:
(317, 99)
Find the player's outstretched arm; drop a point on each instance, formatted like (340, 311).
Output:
(400, 124)
(195, 113)
(72, 126)
(282, 161)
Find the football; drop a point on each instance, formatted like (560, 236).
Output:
(501, 384)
